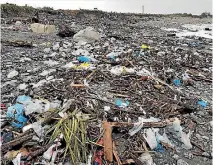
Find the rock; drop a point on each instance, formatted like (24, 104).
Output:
(161, 53)
(41, 28)
(205, 137)
(46, 72)
(175, 156)
(56, 47)
(146, 159)
(65, 31)
(182, 162)
(205, 154)
(27, 79)
(18, 25)
(69, 65)
(25, 59)
(22, 86)
(201, 113)
(87, 35)
(51, 63)
(188, 155)
(12, 74)
(47, 50)
(198, 136)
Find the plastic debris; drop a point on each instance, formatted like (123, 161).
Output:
(183, 137)
(150, 138)
(137, 127)
(144, 46)
(17, 160)
(83, 59)
(177, 82)
(7, 137)
(164, 139)
(122, 104)
(16, 112)
(202, 103)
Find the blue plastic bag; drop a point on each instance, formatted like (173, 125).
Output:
(16, 112)
(177, 82)
(159, 147)
(202, 103)
(22, 99)
(83, 59)
(121, 103)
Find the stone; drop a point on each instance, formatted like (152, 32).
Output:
(175, 156)
(41, 28)
(201, 113)
(47, 50)
(182, 162)
(161, 53)
(188, 155)
(22, 86)
(51, 63)
(205, 137)
(87, 35)
(12, 74)
(56, 47)
(146, 159)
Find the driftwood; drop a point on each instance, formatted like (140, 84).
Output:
(18, 43)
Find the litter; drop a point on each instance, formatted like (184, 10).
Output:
(202, 103)
(16, 112)
(120, 103)
(150, 138)
(177, 82)
(83, 59)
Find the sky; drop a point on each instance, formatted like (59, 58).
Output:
(135, 6)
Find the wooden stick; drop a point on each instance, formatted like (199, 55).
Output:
(78, 85)
(145, 124)
(116, 155)
(108, 151)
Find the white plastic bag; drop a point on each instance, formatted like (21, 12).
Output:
(150, 138)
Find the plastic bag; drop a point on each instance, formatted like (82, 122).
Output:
(150, 138)
(183, 137)
(16, 112)
(120, 103)
(137, 127)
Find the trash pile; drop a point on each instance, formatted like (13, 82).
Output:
(96, 97)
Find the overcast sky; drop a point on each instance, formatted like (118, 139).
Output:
(150, 6)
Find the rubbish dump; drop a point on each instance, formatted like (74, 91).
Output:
(102, 88)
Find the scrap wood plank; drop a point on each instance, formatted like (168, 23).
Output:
(108, 146)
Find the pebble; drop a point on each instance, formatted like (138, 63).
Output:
(22, 86)
(47, 50)
(56, 47)
(201, 113)
(205, 137)
(175, 156)
(188, 155)
(182, 162)
(12, 74)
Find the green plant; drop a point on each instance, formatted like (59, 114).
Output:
(73, 129)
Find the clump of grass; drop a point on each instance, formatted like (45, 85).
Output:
(73, 129)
